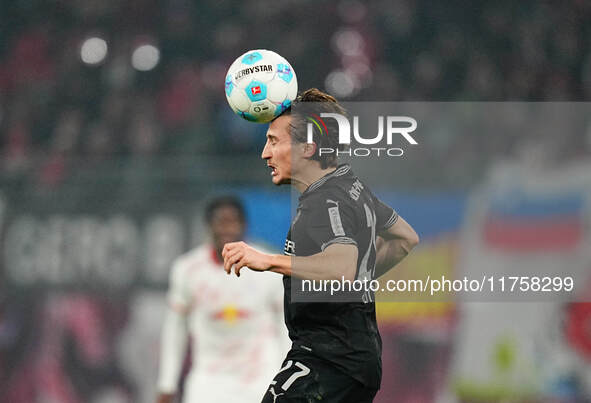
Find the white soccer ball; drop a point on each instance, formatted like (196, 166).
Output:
(260, 85)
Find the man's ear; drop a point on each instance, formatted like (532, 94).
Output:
(309, 150)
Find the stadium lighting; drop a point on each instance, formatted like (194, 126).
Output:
(340, 83)
(93, 50)
(145, 57)
(349, 42)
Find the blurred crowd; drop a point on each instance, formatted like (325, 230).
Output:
(58, 114)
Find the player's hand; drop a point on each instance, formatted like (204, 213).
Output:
(240, 254)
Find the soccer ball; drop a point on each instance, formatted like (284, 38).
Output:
(260, 85)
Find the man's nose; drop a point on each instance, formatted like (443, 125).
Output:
(266, 154)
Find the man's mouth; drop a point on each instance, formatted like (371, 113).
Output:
(273, 169)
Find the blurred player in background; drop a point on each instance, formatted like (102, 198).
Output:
(236, 325)
(341, 231)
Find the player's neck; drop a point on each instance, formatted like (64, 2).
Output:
(309, 176)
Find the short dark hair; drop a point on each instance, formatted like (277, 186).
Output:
(322, 102)
(224, 201)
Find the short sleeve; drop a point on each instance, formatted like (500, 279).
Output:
(329, 221)
(179, 297)
(386, 216)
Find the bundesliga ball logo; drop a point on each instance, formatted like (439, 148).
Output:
(260, 85)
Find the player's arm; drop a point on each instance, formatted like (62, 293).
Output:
(328, 220)
(174, 339)
(172, 353)
(394, 244)
(335, 262)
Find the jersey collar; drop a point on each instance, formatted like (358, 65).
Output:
(340, 171)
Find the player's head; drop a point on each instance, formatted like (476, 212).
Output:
(287, 136)
(226, 218)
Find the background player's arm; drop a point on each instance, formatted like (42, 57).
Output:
(172, 353)
(173, 345)
(335, 262)
(393, 244)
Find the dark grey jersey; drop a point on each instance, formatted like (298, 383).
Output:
(338, 208)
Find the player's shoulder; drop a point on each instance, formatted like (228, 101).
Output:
(335, 190)
(341, 184)
(352, 190)
(192, 259)
(343, 193)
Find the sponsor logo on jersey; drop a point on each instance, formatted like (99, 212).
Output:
(230, 314)
(255, 69)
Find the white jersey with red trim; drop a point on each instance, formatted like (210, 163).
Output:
(236, 324)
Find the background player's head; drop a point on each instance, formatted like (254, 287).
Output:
(226, 218)
(287, 136)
